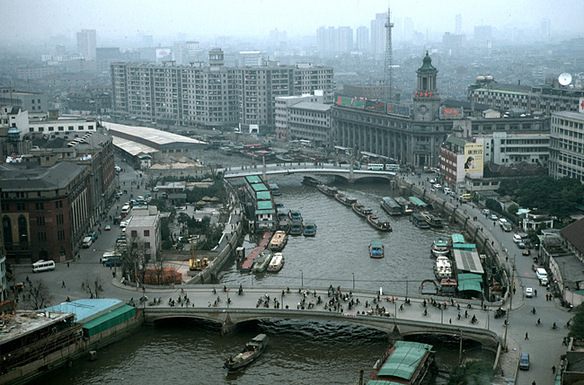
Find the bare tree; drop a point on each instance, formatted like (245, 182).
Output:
(92, 285)
(158, 263)
(135, 260)
(37, 295)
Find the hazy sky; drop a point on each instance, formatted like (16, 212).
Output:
(196, 19)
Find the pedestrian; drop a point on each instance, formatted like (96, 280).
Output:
(554, 369)
(63, 284)
(526, 336)
(67, 263)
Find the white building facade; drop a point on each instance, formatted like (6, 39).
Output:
(567, 145)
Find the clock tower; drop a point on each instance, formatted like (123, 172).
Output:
(426, 98)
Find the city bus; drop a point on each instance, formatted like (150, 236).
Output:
(392, 167)
(42, 265)
(375, 166)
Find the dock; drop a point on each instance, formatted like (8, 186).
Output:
(248, 261)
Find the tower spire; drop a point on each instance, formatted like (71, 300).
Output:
(388, 65)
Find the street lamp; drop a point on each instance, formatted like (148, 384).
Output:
(302, 278)
(228, 297)
(353, 281)
(407, 287)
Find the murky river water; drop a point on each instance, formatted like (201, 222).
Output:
(300, 352)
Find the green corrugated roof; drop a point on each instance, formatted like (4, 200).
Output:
(404, 360)
(470, 282)
(259, 187)
(263, 196)
(417, 201)
(457, 238)
(253, 179)
(109, 320)
(464, 246)
(264, 205)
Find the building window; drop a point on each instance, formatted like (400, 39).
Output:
(42, 237)
(40, 221)
(5, 206)
(134, 234)
(146, 245)
(40, 206)
(7, 229)
(22, 230)
(59, 204)
(20, 207)
(146, 233)
(61, 235)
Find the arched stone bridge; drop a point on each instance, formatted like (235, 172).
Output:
(342, 171)
(407, 323)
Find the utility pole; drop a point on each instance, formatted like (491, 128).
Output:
(510, 303)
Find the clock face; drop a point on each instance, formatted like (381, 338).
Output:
(423, 109)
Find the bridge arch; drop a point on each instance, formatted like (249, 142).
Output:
(230, 318)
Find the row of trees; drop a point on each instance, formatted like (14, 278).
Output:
(555, 197)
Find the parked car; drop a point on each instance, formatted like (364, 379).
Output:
(493, 217)
(437, 186)
(526, 252)
(529, 292)
(486, 211)
(524, 361)
(107, 228)
(535, 266)
(521, 245)
(93, 235)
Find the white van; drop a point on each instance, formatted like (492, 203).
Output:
(87, 241)
(517, 238)
(541, 273)
(42, 265)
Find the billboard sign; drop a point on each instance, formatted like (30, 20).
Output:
(473, 159)
(581, 105)
(398, 109)
(451, 113)
(355, 102)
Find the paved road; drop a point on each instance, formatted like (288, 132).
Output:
(544, 344)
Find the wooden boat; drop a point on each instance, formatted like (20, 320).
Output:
(310, 181)
(326, 190)
(296, 228)
(278, 241)
(420, 221)
(309, 229)
(260, 264)
(377, 223)
(276, 263)
(347, 201)
(247, 264)
(252, 350)
(391, 206)
(376, 249)
(361, 210)
(433, 220)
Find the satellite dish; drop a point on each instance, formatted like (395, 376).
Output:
(565, 79)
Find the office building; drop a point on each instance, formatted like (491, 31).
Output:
(378, 35)
(282, 111)
(567, 145)
(86, 46)
(543, 99)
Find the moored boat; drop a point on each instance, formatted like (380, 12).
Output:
(405, 205)
(278, 241)
(252, 350)
(295, 215)
(376, 249)
(309, 229)
(440, 247)
(433, 220)
(247, 264)
(391, 206)
(378, 223)
(276, 263)
(327, 190)
(361, 210)
(275, 189)
(443, 268)
(405, 362)
(296, 228)
(347, 201)
(260, 264)
(419, 221)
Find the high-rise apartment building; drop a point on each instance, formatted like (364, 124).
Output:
(211, 96)
(362, 39)
(345, 39)
(458, 24)
(86, 43)
(378, 34)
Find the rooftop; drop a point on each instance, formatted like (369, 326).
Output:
(27, 177)
(85, 309)
(573, 234)
(312, 106)
(27, 321)
(156, 137)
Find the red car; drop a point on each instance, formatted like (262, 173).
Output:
(526, 252)
(535, 266)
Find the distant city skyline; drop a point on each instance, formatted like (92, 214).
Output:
(30, 20)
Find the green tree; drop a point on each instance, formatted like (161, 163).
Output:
(512, 209)
(493, 205)
(474, 372)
